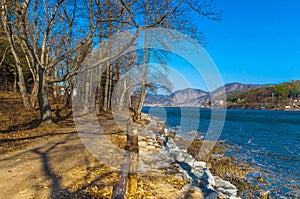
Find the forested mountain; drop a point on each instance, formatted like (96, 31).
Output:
(280, 96)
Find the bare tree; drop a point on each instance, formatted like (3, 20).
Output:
(40, 27)
(13, 47)
(57, 35)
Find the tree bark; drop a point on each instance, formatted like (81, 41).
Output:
(45, 109)
(22, 87)
(34, 94)
(15, 82)
(106, 89)
(144, 80)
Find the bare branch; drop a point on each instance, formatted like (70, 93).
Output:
(3, 56)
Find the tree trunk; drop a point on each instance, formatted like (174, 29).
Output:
(144, 81)
(68, 94)
(34, 94)
(6, 82)
(22, 87)
(15, 82)
(56, 93)
(146, 59)
(106, 93)
(45, 109)
(110, 87)
(107, 90)
(99, 98)
(86, 92)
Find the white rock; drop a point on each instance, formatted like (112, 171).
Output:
(199, 164)
(210, 178)
(189, 160)
(223, 183)
(228, 192)
(212, 195)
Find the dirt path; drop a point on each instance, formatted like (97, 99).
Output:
(59, 166)
(37, 171)
(41, 161)
(53, 165)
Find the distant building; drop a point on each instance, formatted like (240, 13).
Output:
(219, 103)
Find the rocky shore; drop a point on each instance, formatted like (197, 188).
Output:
(158, 150)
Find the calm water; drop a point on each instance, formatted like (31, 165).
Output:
(268, 140)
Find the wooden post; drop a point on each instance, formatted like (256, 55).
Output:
(129, 136)
(134, 141)
(119, 189)
(129, 167)
(134, 164)
(133, 175)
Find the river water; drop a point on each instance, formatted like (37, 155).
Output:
(267, 140)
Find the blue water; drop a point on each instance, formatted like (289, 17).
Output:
(267, 140)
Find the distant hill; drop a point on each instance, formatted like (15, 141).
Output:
(193, 97)
(185, 97)
(238, 95)
(235, 86)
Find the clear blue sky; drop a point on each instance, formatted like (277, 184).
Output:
(257, 41)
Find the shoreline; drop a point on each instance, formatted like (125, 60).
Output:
(197, 171)
(239, 188)
(277, 185)
(292, 110)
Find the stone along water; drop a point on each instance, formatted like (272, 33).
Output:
(267, 140)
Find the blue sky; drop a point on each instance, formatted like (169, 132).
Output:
(255, 42)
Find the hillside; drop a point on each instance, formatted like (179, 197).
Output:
(235, 86)
(193, 97)
(244, 96)
(280, 96)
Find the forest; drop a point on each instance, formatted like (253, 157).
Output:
(44, 43)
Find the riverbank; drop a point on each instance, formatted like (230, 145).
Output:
(265, 140)
(226, 174)
(196, 172)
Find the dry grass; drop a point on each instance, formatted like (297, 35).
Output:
(94, 181)
(225, 167)
(19, 128)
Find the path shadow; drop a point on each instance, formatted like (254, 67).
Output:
(37, 122)
(59, 117)
(57, 189)
(5, 140)
(25, 126)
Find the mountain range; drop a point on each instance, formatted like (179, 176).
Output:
(194, 97)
